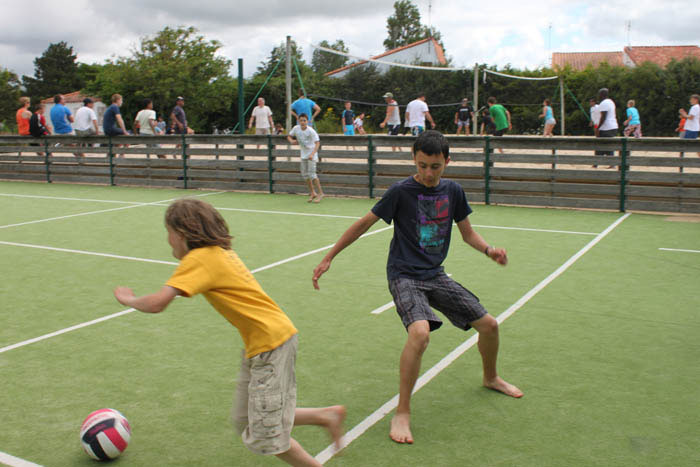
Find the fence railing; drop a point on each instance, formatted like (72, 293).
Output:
(648, 174)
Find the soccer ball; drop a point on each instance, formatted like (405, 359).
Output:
(105, 433)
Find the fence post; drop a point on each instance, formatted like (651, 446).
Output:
(370, 165)
(47, 161)
(184, 161)
(270, 168)
(110, 155)
(623, 174)
(487, 169)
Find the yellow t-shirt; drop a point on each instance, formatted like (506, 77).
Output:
(233, 291)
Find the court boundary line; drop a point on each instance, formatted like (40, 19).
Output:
(678, 249)
(431, 373)
(155, 203)
(287, 213)
(13, 461)
(130, 310)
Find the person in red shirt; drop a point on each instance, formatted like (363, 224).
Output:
(23, 115)
(681, 126)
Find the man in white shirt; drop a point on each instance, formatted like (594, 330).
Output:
(607, 123)
(146, 120)
(86, 121)
(416, 113)
(263, 119)
(309, 144)
(692, 118)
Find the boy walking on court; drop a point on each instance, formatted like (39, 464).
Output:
(309, 144)
(423, 208)
(265, 408)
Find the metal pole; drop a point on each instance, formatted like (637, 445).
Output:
(288, 84)
(487, 170)
(241, 100)
(475, 124)
(561, 102)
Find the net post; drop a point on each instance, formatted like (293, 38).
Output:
(475, 124)
(270, 168)
(110, 155)
(184, 161)
(623, 173)
(487, 169)
(562, 101)
(47, 162)
(370, 165)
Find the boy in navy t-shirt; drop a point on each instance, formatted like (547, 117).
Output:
(423, 208)
(348, 117)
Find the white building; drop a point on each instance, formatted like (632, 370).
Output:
(424, 52)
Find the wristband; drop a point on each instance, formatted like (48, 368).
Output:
(486, 251)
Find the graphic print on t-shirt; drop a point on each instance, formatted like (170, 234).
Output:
(433, 222)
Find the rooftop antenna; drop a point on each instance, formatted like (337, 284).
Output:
(549, 42)
(430, 17)
(628, 26)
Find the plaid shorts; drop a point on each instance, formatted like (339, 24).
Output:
(414, 299)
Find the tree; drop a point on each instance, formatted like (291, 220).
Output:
(55, 72)
(174, 62)
(279, 53)
(323, 62)
(404, 26)
(9, 95)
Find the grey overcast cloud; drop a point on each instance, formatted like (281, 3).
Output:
(522, 34)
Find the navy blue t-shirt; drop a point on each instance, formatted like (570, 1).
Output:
(109, 119)
(422, 219)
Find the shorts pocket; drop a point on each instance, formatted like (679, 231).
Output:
(267, 415)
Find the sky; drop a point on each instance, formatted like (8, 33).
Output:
(519, 33)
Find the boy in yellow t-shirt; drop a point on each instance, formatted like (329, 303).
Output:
(265, 409)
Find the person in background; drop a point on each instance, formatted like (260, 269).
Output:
(548, 116)
(348, 118)
(680, 129)
(464, 116)
(392, 120)
(23, 115)
(487, 125)
(633, 124)
(178, 118)
(279, 129)
(112, 121)
(304, 105)
(309, 144)
(86, 122)
(359, 124)
(607, 123)
(61, 116)
(501, 118)
(37, 125)
(263, 119)
(692, 118)
(417, 112)
(146, 120)
(161, 126)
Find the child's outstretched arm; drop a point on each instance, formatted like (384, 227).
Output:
(152, 303)
(476, 241)
(353, 233)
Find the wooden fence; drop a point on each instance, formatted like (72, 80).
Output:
(648, 174)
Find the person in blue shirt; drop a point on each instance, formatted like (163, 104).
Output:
(633, 124)
(548, 116)
(61, 116)
(348, 117)
(423, 208)
(306, 106)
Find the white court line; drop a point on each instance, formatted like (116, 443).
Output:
(534, 230)
(382, 308)
(92, 253)
(13, 461)
(391, 404)
(684, 251)
(115, 315)
(155, 203)
(61, 198)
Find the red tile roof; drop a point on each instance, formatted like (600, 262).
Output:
(438, 50)
(661, 55)
(76, 96)
(581, 60)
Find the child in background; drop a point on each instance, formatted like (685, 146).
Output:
(680, 129)
(487, 125)
(309, 143)
(279, 129)
(347, 117)
(265, 409)
(359, 124)
(633, 124)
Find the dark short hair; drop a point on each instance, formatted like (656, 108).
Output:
(603, 92)
(87, 101)
(421, 93)
(57, 98)
(491, 100)
(304, 115)
(146, 101)
(432, 143)
(38, 106)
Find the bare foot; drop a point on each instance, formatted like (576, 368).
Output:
(335, 416)
(401, 429)
(320, 197)
(311, 198)
(506, 388)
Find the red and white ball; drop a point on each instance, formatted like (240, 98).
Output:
(105, 434)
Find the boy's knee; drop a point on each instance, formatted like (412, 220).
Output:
(486, 325)
(419, 335)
